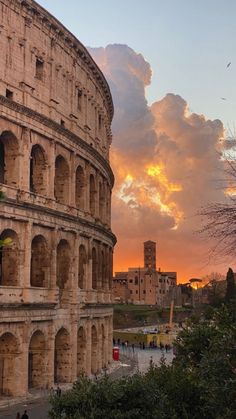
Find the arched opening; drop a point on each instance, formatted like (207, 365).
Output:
(9, 259)
(62, 357)
(38, 173)
(103, 347)
(82, 267)
(61, 182)
(94, 269)
(81, 352)
(79, 187)
(92, 193)
(94, 350)
(102, 270)
(101, 200)
(9, 352)
(9, 162)
(37, 364)
(40, 262)
(63, 263)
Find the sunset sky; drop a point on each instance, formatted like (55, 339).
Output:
(166, 64)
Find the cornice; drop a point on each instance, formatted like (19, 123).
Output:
(60, 129)
(58, 214)
(62, 33)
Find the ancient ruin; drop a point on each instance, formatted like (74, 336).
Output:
(56, 274)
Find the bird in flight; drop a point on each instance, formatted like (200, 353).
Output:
(223, 98)
(228, 64)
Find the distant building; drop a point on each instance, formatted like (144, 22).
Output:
(144, 285)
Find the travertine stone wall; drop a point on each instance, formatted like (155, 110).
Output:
(56, 275)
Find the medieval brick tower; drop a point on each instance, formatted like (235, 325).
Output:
(150, 255)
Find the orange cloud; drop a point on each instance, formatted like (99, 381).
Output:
(166, 164)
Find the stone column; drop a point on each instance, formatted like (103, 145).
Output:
(24, 161)
(88, 344)
(51, 354)
(74, 332)
(27, 260)
(51, 169)
(72, 180)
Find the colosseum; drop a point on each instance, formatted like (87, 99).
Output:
(56, 274)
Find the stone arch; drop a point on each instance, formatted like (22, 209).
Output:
(92, 194)
(9, 259)
(80, 188)
(81, 351)
(40, 262)
(61, 181)
(103, 346)
(94, 350)
(101, 200)
(62, 357)
(9, 352)
(82, 267)
(63, 263)
(9, 160)
(37, 363)
(38, 170)
(94, 269)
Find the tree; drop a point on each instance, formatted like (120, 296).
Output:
(230, 285)
(200, 383)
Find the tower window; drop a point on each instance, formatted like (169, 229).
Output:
(39, 69)
(9, 94)
(99, 121)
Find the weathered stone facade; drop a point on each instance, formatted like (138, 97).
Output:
(56, 276)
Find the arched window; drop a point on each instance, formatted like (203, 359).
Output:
(9, 259)
(82, 267)
(79, 187)
(9, 160)
(61, 182)
(38, 171)
(63, 263)
(62, 357)
(94, 269)
(40, 262)
(92, 193)
(37, 363)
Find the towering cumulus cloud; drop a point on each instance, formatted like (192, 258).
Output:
(166, 166)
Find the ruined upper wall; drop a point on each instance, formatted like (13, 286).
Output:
(44, 67)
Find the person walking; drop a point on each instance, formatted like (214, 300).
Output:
(25, 416)
(18, 415)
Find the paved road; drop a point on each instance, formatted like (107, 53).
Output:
(36, 410)
(139, 359)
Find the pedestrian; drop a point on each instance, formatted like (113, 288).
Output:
(161, 346)
(18, 415)
(166, 347)
(151, 362)
(25, 416)
(133, 347)
(143, 345)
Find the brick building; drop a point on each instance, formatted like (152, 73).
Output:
(144, 285)
(56, 276)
